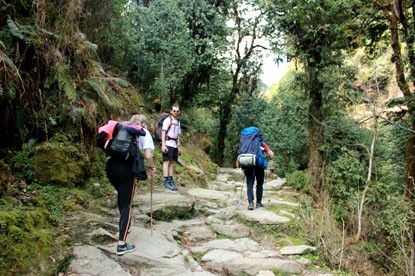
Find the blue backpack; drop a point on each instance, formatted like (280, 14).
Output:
(250, 143)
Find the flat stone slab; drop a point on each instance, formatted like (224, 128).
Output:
(234, 264)
(220, 255)
(297, 249)
(252, 266)
(239, 245)
(200, 233)
(275, 184)
(263, 216)
(208, 194)
(265, 273)
(161, 199)
(234, 230)
(89, 260)
(278, 201)
(156, 251)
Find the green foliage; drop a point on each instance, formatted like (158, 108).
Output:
(345, 179)
(22, 161)
(66, 83)
(111, 25)
(283, 125)
(101, 89)
(202, 120)
(309, 26)
(23, 32)
(343, 134)
(299, 180)
(165, 56)
(390, 157)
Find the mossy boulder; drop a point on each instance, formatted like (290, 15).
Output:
(30, 236)
(6, 177)
(59, 163)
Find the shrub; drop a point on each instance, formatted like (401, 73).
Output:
(299, 180)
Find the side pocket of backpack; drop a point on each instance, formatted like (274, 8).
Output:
(102, 140)
(139, 168)
(261, 162)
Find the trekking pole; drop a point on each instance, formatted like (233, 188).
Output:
(264, 191)
(151, 204)
(239, 195)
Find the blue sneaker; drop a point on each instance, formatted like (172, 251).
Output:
(126, 248)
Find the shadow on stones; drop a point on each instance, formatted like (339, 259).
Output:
(170, 213)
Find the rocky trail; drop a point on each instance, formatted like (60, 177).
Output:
(196, 231)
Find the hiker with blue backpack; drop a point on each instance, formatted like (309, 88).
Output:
(170, 146)
(252, 161)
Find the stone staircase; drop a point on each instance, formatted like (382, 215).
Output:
(196, 231)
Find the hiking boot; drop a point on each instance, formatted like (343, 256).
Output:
(251, 206)
(172, 183)
(126, 248)
(260, 205)
(168, 185)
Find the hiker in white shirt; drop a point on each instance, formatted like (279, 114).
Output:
(170, 146)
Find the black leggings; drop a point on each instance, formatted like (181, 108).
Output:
(121, 177)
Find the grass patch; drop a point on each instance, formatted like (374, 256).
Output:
(277, 208)
(222, 237)
(280, 273)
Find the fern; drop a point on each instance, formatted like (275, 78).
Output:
(7, 61)
(10, 91)
(120, 82)
(100, 87)
(396, 101)
(66, 83)
(24, 32)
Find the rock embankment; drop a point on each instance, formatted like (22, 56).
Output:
(196, 232)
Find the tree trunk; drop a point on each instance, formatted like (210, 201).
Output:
(409, 98)
(225, 116)
(315, 127)
(404, 87)
(315, 130)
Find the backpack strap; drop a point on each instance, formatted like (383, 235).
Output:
(168, 129)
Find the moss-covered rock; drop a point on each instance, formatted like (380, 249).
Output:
(27, 240)
(5, 177)
(60, 163)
